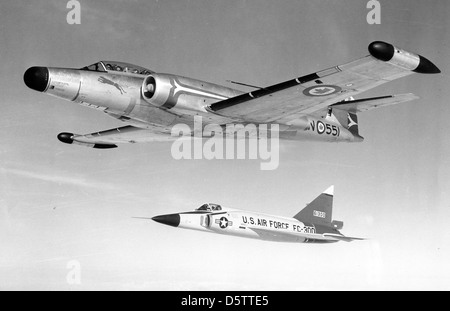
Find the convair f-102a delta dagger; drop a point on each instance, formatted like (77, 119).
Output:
(319, 106)
(313, 224)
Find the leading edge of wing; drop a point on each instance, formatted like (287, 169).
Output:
(230, 102)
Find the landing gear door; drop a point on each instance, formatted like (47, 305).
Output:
(205, 221)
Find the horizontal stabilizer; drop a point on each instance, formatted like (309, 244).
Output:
(365, 104)
(341, 237)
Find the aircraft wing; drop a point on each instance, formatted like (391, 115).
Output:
(366, 104)
(108, 139)
(317, 91)
(270, 235)
(293, 237)
(341, 237)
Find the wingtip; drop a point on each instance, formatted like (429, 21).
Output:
(387, 52)
(330, 190)
(426, 66)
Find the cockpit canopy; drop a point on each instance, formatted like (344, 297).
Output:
(105, 66)
(210, 207)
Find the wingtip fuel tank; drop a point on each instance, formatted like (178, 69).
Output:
(388, 53)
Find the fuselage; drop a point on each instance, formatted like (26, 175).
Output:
(250, 225)
(145, 99)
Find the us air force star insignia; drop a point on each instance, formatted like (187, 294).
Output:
(321, 90)
(224, 223)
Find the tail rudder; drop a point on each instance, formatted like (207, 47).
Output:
(319, 211)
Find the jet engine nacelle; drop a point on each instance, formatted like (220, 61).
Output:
(156, 90)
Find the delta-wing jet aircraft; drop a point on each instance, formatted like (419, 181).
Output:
(313, 224)
(318, 106)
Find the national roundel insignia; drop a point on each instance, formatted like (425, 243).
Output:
(224, 223)
(321, 90)
(320, 127)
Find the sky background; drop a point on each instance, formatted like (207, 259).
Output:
(62, 203)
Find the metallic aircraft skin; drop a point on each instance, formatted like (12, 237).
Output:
(312, 225)
(317, 107)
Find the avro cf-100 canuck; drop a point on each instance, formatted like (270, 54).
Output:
(313, 224)
(318, 106)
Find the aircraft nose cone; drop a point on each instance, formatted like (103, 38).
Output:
(170, 220)
(36, 78)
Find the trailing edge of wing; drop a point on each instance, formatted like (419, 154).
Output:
(366, 104)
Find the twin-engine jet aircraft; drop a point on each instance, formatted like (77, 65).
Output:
(318, 106)
(313, 224)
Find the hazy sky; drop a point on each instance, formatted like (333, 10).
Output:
(62, 203)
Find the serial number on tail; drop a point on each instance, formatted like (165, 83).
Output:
(325, 128)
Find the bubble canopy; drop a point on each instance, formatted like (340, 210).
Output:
(106, 66)
(210, 207)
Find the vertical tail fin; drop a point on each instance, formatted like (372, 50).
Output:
(319, 211)
(347, 119)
